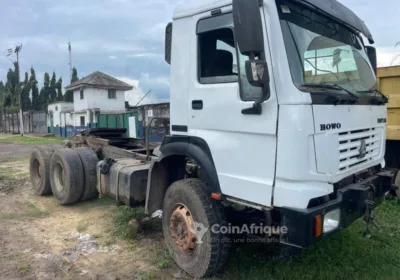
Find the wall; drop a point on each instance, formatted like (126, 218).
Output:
(80, 104)
(77, 118)
(66, 119)
(98, 98)
(39, 120)
(34, 122)
(57, 114)
(146, 113)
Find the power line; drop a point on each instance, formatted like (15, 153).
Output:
(142, 98)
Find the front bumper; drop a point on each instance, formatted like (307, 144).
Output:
(351, 200)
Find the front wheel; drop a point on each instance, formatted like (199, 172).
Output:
(189, 215)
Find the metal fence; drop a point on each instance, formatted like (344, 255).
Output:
(34, 122)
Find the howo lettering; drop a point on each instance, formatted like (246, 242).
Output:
(275, 119)
(330, 126)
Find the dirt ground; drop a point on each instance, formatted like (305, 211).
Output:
(40, 239)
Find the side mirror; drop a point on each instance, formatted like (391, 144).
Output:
(248, 26)
(257, 73)
(371, 52)
(249, 36)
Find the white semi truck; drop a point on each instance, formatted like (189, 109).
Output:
(275, 117)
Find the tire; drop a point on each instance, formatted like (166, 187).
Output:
(89, 162)
(39, 169)
(210, 252)
(66, 176)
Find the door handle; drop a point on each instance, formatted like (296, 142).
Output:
(197, 104)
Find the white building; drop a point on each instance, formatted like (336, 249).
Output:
(59, 115)
(95, 94)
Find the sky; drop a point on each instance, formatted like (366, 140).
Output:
(125, 38)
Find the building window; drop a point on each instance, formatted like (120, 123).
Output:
(82, 96)
(112, 94)
(83, 121)
(56, 108)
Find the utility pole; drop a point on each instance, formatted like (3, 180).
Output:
(17, 50)
(70, 61)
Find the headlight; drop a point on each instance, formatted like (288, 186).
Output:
(331, 220)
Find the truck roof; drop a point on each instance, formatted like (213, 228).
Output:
(187, 10)
(331, 7)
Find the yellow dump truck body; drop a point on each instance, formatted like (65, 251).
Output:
(389, 85)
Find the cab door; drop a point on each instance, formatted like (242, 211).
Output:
(243, 146)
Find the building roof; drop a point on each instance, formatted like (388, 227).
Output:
(99, 80)
(61, 102)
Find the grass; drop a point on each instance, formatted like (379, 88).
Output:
(96, 203)
(346, 255)
(24, 268)
(162, 259)
(121, 217)
(82, 226)
(15, 175)
(14, 256)
(30, 211)
(13, 159)
(6, 173)
(21, 261)
(30, 140)
(148, 275)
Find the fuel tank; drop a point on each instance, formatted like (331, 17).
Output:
(125, 181)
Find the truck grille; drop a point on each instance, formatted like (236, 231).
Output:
(350, 143)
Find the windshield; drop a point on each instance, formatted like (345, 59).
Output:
(320, 51)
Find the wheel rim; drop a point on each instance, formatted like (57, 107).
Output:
(37, 176)
(59, 177)
(181, 225)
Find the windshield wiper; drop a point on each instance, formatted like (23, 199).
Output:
(354, 97)
(384, 97)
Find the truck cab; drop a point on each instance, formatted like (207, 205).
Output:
(276, 105)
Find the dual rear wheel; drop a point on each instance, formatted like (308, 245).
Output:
(70, 174)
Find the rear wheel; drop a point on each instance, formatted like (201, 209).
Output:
(89, 161)
(66, 176)
(39, 169)
(189, 214)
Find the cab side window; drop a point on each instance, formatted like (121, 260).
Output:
(217, 57)
(219, 60)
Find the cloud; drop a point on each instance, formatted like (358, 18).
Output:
(388, 56)
(125, 38)
(138, 94)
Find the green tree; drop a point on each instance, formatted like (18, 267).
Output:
(34, 90)
(69, 95)
(14, 95)
(2, 92)
(53, 88)
(44, 95)
(59, 90)
(11, 89)
(25, 90)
